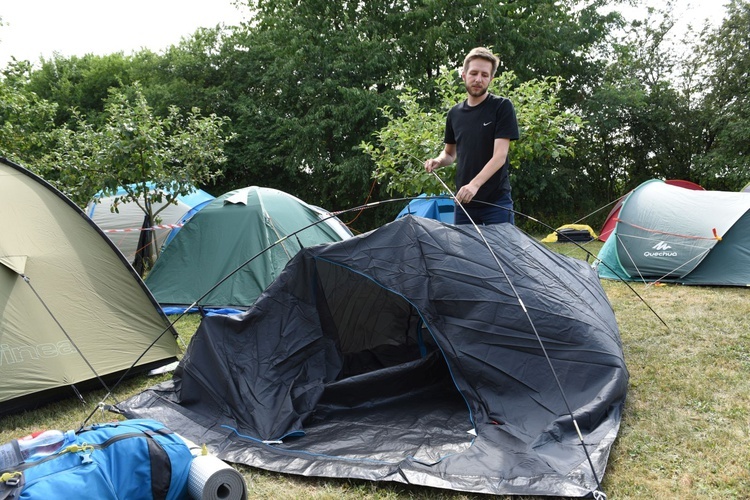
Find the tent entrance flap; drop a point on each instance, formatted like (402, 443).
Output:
(409, 411)
(373, 327)
(393, 379)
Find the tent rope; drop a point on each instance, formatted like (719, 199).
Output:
(597, 211)
(620, 239)
(533, 328)
(363, 207)
(27, 280)
(656, 231)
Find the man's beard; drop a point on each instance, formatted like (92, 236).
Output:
(476, 92)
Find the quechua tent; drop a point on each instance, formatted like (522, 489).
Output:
(243, 225)
(669, 234)
(611, 220)
(72, 309)
(406, 354)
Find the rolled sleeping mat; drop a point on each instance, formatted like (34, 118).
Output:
(212, 479)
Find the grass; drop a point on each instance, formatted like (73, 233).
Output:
(685, 430)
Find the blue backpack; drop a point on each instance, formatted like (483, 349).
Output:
(132, 459)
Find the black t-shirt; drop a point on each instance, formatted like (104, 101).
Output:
(473, 130)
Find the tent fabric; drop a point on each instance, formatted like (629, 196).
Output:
(404, 355)
(440, 208)
(239, 226)
(609, 222)
(570, 232)
(123, 227)
(665, 233)
(67, 298)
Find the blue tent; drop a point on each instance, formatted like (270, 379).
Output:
(433, 207)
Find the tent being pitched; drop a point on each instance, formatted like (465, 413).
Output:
(405, 355)
(236, 227)
(665, 233)
(72, 308)
(123, 226)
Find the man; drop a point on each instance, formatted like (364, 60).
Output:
(478, 132)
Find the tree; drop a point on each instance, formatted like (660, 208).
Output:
(132, 148)
(26, 120)
(308, 77)
(80, 83)
(642, 113)
(410, 138)
(306, 83)
(727, 162)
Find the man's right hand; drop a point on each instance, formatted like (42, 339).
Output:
(431, 164)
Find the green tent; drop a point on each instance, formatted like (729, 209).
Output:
(671, 234)
(72, 310)
(237, 227)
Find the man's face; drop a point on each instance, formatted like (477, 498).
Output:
(477, 77)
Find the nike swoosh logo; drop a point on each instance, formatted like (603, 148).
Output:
(485, 124)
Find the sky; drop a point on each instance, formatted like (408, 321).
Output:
(695, 12)
(34, 28)
(40, 28)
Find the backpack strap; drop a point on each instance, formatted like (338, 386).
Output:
(11, 485)
(161, 466)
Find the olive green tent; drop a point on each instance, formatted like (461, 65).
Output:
(72, 310)
(231, 250)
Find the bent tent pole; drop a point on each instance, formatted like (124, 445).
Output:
(598, 493)
(588, 253)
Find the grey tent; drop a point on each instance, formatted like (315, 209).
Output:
(72, 310)
(670, 234)
(405, 354)
(124, 227)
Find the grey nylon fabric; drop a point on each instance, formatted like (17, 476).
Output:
(404, 355)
